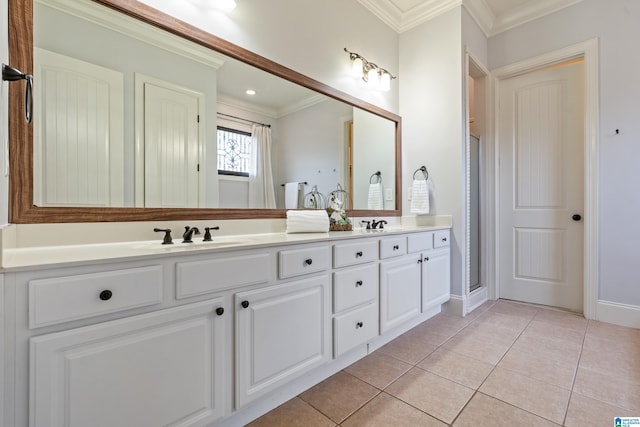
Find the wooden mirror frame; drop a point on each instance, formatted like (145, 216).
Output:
(21, 207)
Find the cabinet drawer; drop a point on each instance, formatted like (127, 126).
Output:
(393, 246)
(297, 262)
(62, 299)
(354, 286)
(418, 242)
(354, 328)
(345, 254)
(201, 277)
(441, 239)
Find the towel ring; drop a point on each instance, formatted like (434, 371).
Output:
(424, 171)
(378, 175)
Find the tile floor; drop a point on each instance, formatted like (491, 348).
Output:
(506, 364)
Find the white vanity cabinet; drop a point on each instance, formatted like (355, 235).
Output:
(433, 249)
(157, 369)
(399, 291)
(282, 332)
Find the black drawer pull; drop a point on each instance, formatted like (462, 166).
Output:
(426, 259)
(106, 295)
(308, 261)
(219, 311)
(444, 239)
(359, 325)
(359, 254)
(358, 283)
(396, 247)
(244, 304)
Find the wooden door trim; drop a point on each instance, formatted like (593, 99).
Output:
(587, 50)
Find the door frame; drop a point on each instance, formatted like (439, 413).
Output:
(587, 50)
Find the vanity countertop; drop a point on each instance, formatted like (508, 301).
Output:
(28, 258)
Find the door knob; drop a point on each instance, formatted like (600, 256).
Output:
(576, 217)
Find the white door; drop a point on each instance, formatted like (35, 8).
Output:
(541, 165)
(171, 147)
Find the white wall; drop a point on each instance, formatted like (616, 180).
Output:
(431, 107)
(307, 36)
(615, 23)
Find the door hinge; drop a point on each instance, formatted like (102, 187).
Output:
(198, 116)
(198, 167)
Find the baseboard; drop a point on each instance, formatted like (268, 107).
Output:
(477, 298)
(619, 314)
(455, 306)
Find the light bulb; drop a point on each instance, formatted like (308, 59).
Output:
(356, 67)
(373, 78)
(385, 81)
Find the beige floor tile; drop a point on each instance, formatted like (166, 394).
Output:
(449, 321)
(294, 413)
(485, 329)
(546, 330)
(587, 412)
(563, 319)
(479, 348)
(615, 333)
(563, 352)
(514, 309)
(612, 361)
(385, 411)
(407, 349)
(434, 334)
(431, 393)
(339, 396)
(539, 366)
(456, 367)
(479, 310)
(602, 387)
(516, 323)
(378, 369)
(485, 411)
(542, 399)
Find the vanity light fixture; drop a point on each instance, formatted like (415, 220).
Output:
(376, 77)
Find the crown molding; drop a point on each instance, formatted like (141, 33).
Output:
(131, 27)
(270, 112)
(490, 24)
(401, 21)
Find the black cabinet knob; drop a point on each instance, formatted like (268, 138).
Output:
(396, 247)
(359, 325)
(358, 283)
(308, 261)
(244, 304)
(358, 254)
(576, 217)
(426, 258)
(106, 295)
(444, 239)
(219, 311)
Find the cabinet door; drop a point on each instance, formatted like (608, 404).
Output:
(435, 279)
(282, 332)
(399, 291)
(158, 369)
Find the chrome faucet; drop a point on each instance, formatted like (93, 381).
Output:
(188, 234)
(374, 224)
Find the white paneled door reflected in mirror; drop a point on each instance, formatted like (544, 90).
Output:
(134, 123)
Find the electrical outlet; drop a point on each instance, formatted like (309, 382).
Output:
(388, 194)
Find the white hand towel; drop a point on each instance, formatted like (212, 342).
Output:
(291, 195)
(308, 221)
(374, 199)
(420, 197)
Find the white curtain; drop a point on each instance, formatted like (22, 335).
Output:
(261, 191)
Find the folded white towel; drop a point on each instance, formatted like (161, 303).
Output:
(374, 198)
(420, 197)
(292, 195)
(308, 221)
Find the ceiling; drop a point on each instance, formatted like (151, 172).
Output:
(493, 16)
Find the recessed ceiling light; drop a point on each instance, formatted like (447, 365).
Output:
(250, 92)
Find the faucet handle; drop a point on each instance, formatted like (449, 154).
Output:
(366, 222)
(167, 235)
(207, 233)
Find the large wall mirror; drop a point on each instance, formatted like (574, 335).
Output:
(139, 116)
